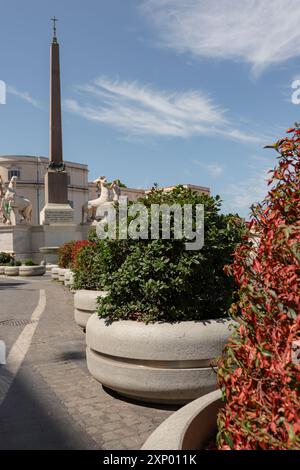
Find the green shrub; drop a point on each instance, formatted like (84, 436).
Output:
(14, 262)
(96, 262)
(5, 258)
(159, 280)
(29, 262)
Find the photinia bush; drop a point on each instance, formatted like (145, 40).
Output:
(65, 254)
(259, 374)
(76, 247)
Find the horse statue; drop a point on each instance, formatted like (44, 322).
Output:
(16, 209)
(109, 194)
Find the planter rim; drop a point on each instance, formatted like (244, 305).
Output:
(181, 341)
(223, 321)
(170, 435)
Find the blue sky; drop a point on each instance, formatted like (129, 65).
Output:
(166, 91)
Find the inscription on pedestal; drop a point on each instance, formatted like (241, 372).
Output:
(58, 216)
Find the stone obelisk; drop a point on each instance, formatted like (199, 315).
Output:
(57, 209)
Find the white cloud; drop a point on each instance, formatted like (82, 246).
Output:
(259, 32)
(142, 110)
(23, 95)
(213, 169)
(240, 196)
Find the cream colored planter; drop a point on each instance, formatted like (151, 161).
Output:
(54, 273)
(190, 428)
(69, 278)
(2, 268)
(11, 270)
(49, 267)
(32, 271)
(85, 304)
(160, 362)
(61, 274)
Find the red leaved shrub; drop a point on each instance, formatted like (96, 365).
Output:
(76, 248)
(67, 253)
(259, 371)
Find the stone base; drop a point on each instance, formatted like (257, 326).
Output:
(57, 214)
(16, 239)
(30, 241)
(50, 254)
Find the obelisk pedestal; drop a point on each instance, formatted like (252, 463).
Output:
(57, 209)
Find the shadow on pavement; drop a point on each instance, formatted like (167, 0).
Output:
(32, 418)
(157, 406)
(7, 285)
(72, 356)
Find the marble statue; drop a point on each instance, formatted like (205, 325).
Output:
(16, 209)
(109, 194)
(3, 219)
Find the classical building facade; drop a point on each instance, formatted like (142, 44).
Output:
(31, 172)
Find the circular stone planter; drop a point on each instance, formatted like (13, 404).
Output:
(85, 304)
(49, 267)
(2, 268)
(32, 270)
(69, 278)
(61, 274)
(160, 362)
(54, 273)
(190, 428)
(11, 270)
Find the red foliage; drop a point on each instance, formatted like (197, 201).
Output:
(67, 253)
(258, 373)
(76, 248)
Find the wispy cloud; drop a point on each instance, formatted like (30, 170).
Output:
(213, 169)
(142, 110)
(259, 32)
(23, 95)
(251, 189)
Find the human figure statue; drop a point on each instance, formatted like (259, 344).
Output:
(2, 216)
(16, 209)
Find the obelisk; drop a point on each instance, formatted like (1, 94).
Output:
(57, 209)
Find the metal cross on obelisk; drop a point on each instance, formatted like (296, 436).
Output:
(54, 28)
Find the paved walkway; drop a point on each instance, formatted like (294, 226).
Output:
(48, 400)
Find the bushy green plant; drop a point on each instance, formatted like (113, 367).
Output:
(29, 262)
(5, 258)
(14, 262)
(96, 262)
(159, 280)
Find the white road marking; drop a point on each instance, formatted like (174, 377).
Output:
(20, 348)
